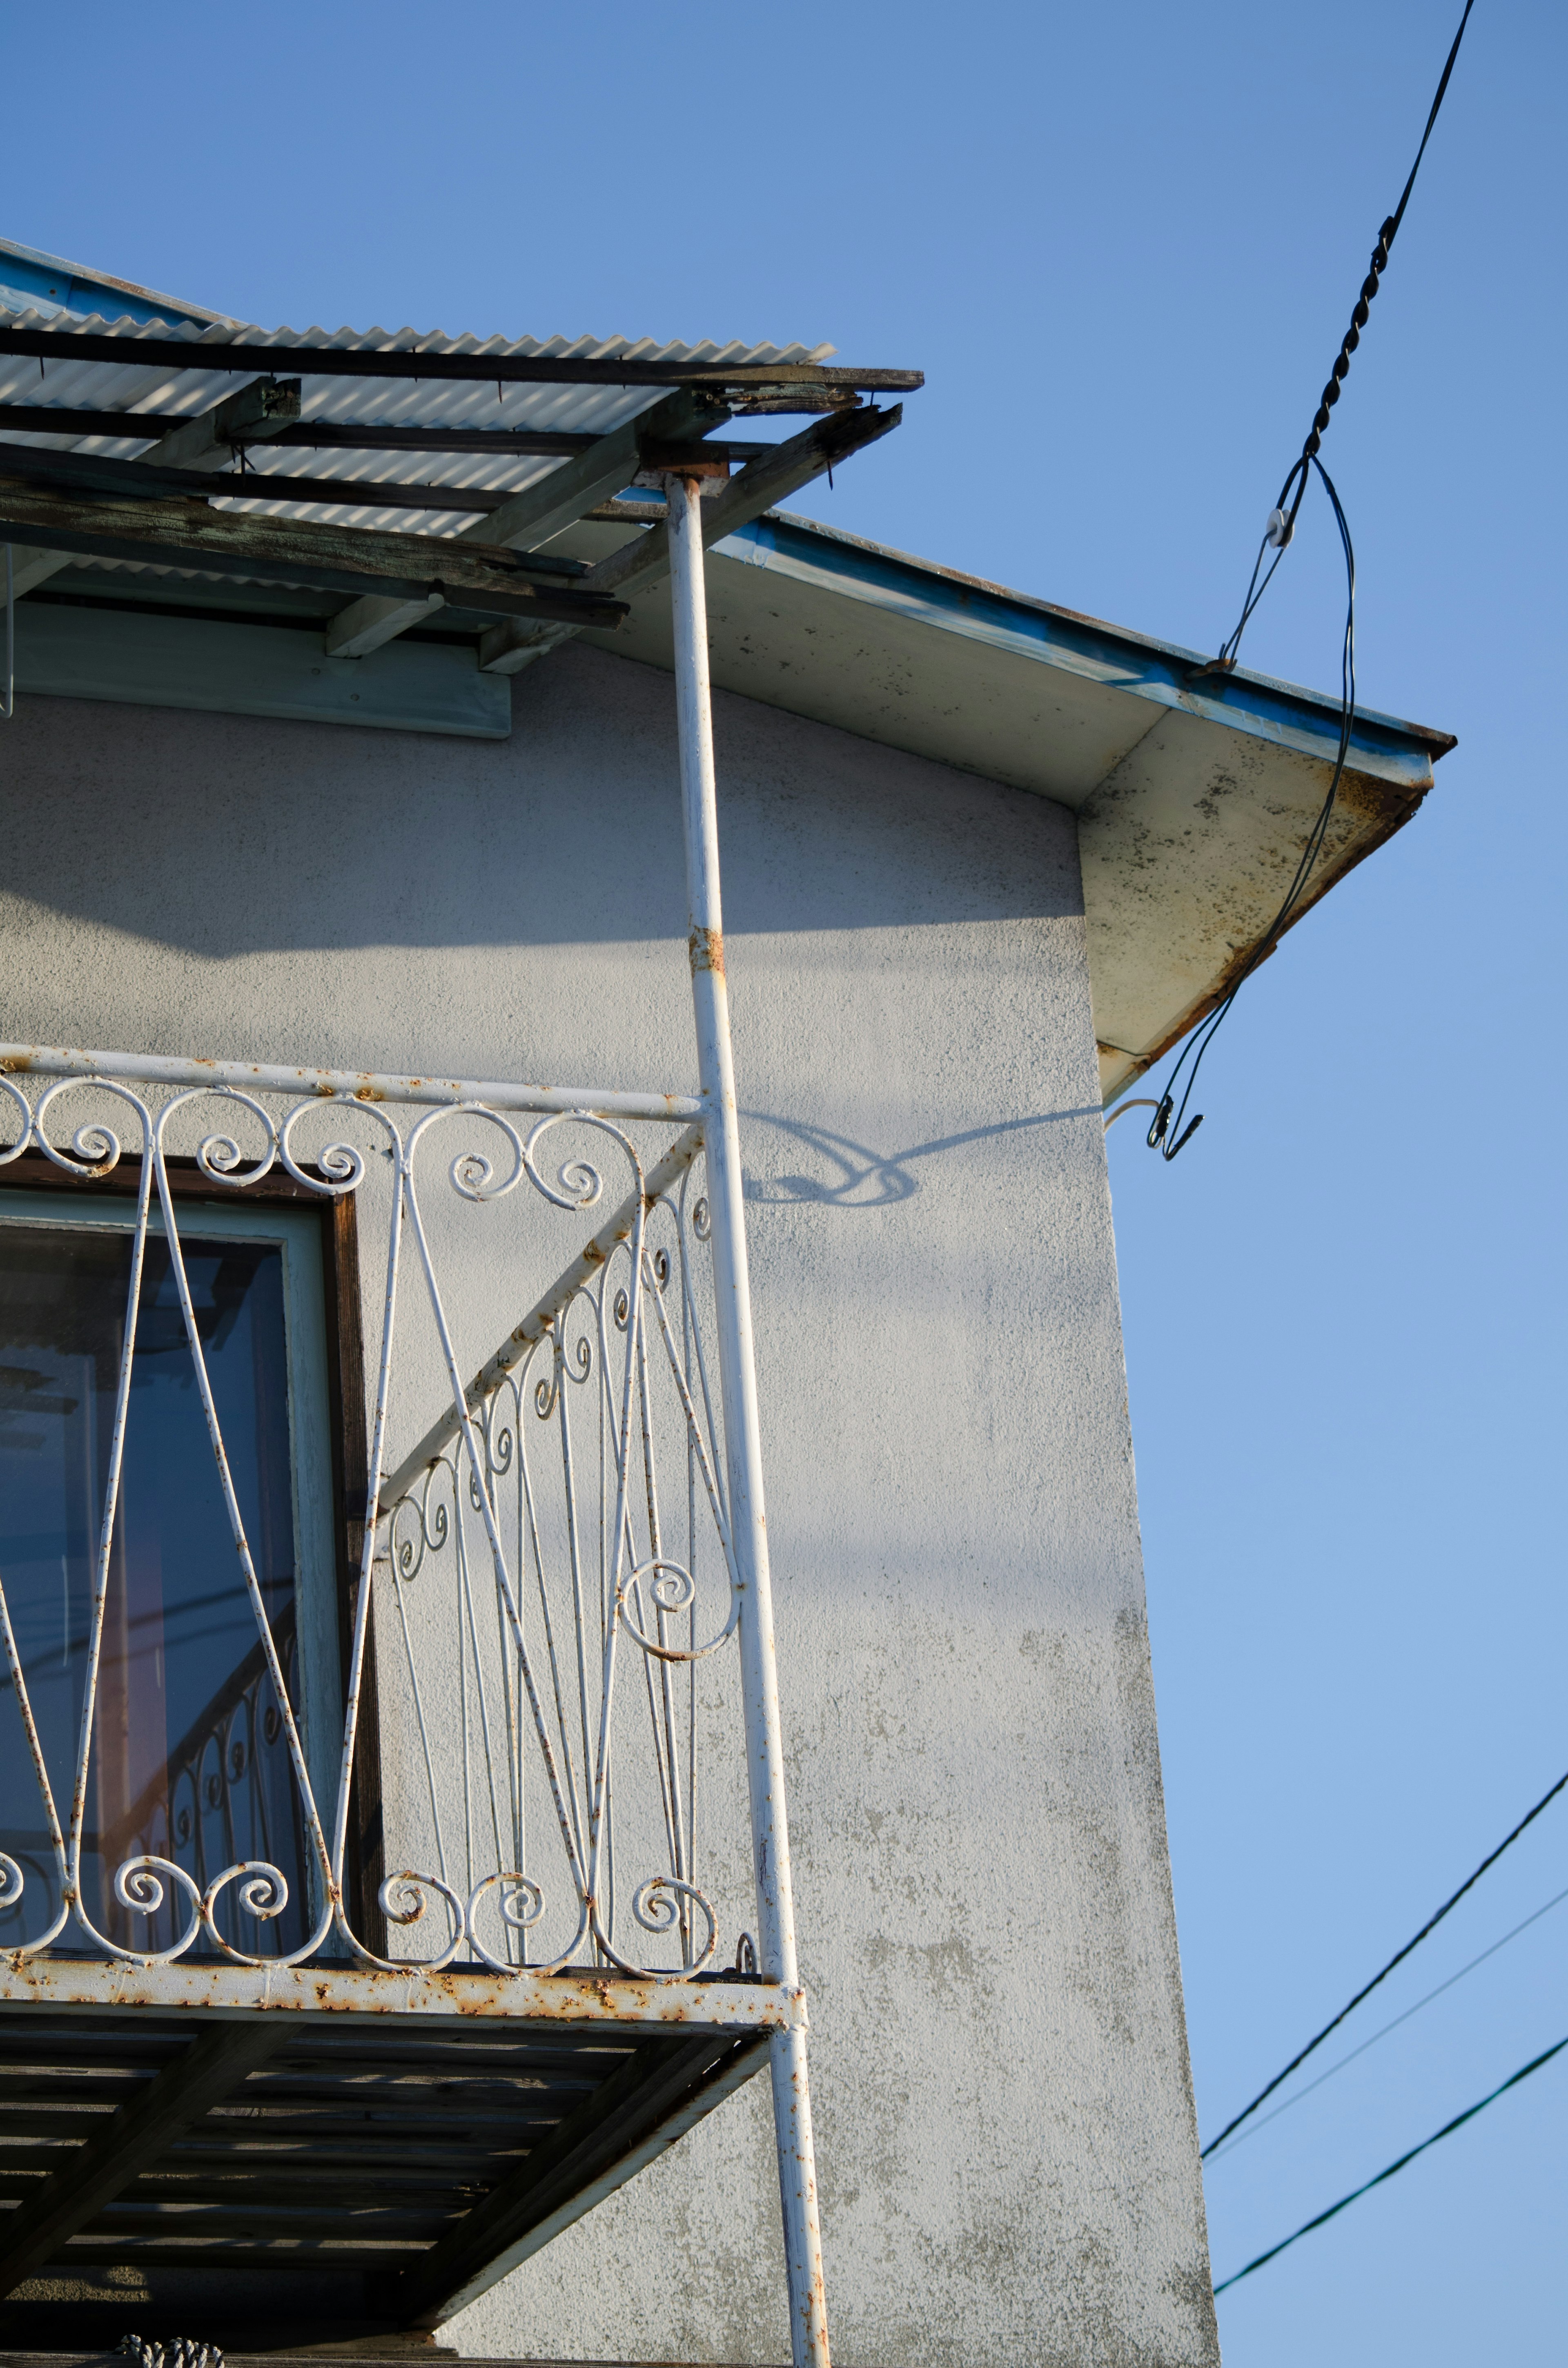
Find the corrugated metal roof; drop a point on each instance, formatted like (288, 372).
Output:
(360, 402)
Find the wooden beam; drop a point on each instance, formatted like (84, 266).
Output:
(327, 434)
(507, 648)
(261, 409)
(107, 474)
(177, 533)
(767, 380)
(251, 415)
(129, 2142)
(104, 473)
(631, 2101)
(531, 517)
(321, 434)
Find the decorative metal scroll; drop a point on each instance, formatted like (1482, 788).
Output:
(544, 1594)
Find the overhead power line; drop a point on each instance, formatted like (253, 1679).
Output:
(1397, 1959)
(1167, 1133)
(1356, 2192)
(1399, 2018)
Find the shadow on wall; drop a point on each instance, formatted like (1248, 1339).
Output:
(222, 836)
(850, 1176)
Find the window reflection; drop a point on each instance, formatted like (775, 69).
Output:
(189, 1757)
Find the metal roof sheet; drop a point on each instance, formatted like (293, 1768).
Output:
(131, 387)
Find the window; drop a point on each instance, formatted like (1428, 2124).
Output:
(187, 1757)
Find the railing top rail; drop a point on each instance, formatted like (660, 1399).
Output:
(337, 1085)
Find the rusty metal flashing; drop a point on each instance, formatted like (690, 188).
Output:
(360, 1993)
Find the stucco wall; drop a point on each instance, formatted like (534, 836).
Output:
(1005, 2123)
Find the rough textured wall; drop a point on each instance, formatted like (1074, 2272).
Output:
(1003, 2114)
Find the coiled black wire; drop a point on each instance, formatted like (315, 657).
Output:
(1168, 1134)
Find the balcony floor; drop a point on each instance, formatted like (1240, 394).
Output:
(253, 2153)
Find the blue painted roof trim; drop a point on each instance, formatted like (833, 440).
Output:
(49, 283)
(1305, 721)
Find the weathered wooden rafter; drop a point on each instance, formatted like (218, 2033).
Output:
(101, 473)
(645, 560)
(200, 444)
(319, 434)
(530, 518)
(168, 531)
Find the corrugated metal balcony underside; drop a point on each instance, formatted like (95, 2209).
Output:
(414, 2156)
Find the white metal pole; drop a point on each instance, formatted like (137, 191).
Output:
(742, 1444)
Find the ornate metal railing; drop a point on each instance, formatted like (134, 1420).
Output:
(218, 1791)
(564, 1515)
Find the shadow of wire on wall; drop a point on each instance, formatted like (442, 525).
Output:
(852, 1176)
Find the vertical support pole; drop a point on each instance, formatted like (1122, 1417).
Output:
(742, 1445)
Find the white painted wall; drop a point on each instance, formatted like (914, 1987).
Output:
(1003, 2112)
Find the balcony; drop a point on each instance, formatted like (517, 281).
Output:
(381, 1960)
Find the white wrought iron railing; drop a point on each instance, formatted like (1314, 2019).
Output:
(566, 1513)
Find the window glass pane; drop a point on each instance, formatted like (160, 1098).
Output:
(188, 1759)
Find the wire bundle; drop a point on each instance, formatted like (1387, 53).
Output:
(1167, 1134)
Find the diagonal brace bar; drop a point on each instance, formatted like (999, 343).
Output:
(633, 2103)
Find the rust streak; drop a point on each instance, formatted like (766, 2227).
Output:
(706, 948)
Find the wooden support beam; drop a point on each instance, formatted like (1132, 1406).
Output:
(251, 415)
(540, 510)
(129, 2142)
(171, 532)
(139, 479)
(507, 648)
(766, 380)
(262, 409)
(321, 434)
(630, 2103)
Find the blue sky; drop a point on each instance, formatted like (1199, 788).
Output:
(1123, 243)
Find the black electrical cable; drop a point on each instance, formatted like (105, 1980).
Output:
(1356, 2192)
(1300, 2095)
(1166, 1135)
(1397, 1959)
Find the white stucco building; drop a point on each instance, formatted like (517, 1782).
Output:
(984, 860)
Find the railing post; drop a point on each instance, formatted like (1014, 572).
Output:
(743, 1448)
